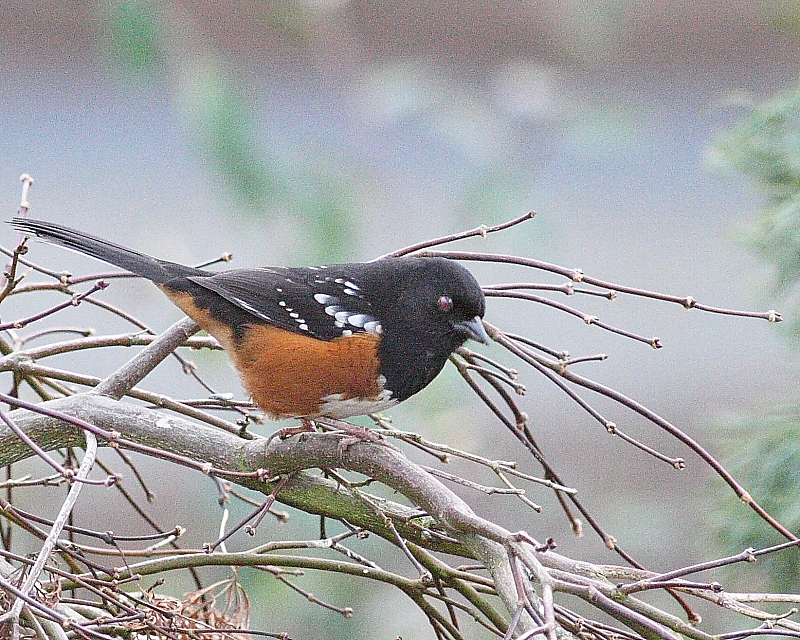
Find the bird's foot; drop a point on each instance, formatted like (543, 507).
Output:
(354, 434)
(305, 426)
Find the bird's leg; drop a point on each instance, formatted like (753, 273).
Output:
(306, 425)
(354, 433)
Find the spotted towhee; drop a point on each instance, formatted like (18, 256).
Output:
(336, 341)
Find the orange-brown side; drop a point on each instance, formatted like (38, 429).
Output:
(288, 373)
(185, 303)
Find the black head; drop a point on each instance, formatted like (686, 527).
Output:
(428, 307)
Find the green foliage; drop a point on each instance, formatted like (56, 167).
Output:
(217, 115)
(297, 20)
(132, 31)
(765, 456)
(151, 45)
(330, 206)
(787, 16)
(765, 146)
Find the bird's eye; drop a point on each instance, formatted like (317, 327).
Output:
(446, 304)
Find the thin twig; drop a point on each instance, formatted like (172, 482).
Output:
(58, 525)
(577, 275)
(73, 302)
(482, 231)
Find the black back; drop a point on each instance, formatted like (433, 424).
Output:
(398, 299)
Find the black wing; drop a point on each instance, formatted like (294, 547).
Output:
(324, 302)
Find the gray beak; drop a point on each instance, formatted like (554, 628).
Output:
(474, 329)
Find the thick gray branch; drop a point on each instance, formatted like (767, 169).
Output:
(479, 538)
(130, 374)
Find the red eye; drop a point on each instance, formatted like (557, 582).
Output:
(446, 304)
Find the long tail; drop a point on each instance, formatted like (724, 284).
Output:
(159, 271)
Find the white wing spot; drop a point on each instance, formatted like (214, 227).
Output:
(303, 326)
(351, 285)
(346, 333)
(281, 303)
(373, 326)
(359, 320)
(324, 298)
(350, 292)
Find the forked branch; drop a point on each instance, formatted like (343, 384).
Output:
(514, 585)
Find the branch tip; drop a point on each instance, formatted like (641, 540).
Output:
(27, 183)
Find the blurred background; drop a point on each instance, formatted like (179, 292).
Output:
(310, 131)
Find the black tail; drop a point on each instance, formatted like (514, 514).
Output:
(159, 271)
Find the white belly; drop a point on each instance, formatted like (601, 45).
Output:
(336, 406)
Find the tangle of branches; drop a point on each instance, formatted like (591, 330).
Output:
(85, 583)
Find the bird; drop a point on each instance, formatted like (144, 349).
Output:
(330, 341)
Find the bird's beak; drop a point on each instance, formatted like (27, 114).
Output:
(474, 329)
